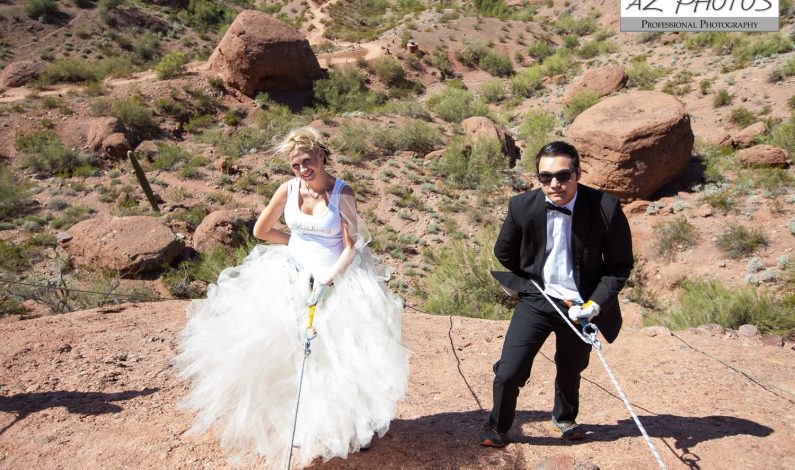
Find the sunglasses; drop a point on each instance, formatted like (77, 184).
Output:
(562, 176)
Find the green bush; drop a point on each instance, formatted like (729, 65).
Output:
(352, 140)
(567, 24)
(719, 196)
(454, 104)
(494, 8)
(146, 47)
(783, 135)
(641, 75)
(71, 216)
(472, 165)
(134, 113)
(389, 70)
(171, 65)
(461, 283)
(540, 50)
(493, 91)
(206, 14)
(527, 82)
(44, 154)
(345, 91)
(702, 302)
(763, 45)
(13, 195)
(673, 236)
(742, 117)
(499, 65)
(596, 48)
(414, 135)
(169, 156)
(536, 131)
(557, 64)
(76, 70)
(787, 69)
(722, 98)
(578, 103)
(737, 241)
(45, 9)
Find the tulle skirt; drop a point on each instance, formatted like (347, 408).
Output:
(242, 350)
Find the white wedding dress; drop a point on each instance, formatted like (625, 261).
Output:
(243, 345)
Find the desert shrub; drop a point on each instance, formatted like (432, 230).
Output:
(737, 241)
(414, 135)
(352, 140)
(407, 108)
(540, 50)
(643, 76)
(536, 131)
(719, 196)
(45, 9)
(596, 48)
(71, 216)
(495, 8)
(146, 47)
(557, 64)
(44, 154)
(345, 90)
(763, 45)
(527, 82)
(787, 69)
(567, 24)
(679, 84)
(389, 70)
(742, 117)
(205, 14)
(722, 98)
(461, 284)
(493, 91)
(454, 104)
(169, 156)
(76, 70)
(84, 3)
(133, 112)
(783, 135)
(13, 194)
(276, 121)
(578, 103)
(704, 86)
(471, 165)
(673, 236)
(702, 302)
(171, 65)
(499, 65)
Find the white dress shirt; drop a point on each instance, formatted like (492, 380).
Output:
(559, 266)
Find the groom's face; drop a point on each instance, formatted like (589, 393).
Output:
(563, 186)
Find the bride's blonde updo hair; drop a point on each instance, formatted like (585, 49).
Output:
(305, 138)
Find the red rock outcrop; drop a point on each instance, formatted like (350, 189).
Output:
(480, 127)
(764, 155)
(261, 53)
(20, 73)
(222, 228)
(632, 145)
(602, 80)
(131, 245)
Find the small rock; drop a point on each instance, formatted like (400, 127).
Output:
(64, 348)
(710, 329)
(748, 330)
(63, 237)
(772, 340)
(657, 330)
(722, 264)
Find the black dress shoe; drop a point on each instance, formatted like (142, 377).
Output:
(489, 437)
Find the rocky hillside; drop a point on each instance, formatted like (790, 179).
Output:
(95, 389)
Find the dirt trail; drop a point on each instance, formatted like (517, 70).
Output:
(95, 389)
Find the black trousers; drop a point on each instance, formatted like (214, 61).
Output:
(531, 324)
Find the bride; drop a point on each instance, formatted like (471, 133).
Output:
(242, 346)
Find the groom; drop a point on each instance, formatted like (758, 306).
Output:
(574, 242)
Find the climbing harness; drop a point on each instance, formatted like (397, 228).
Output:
(309, 335)
(588, 335)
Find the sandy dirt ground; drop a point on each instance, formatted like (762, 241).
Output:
(95, 389)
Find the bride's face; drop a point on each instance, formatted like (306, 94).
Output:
(307, 164)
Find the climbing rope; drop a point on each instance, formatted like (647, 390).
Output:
(588, 335)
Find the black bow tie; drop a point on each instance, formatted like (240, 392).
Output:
(553, 207)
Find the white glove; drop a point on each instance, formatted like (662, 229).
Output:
(319, 292)
(588, 310)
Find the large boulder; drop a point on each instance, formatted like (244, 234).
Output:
(105, 136)
(480, 127)
(223, 228)
(131, 245)
(632, 145)
(261, 53)
(764, 156)
(20, 73)
(602, 80)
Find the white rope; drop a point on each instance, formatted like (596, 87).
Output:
(598, 346)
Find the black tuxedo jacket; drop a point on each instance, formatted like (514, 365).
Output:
(601, 247)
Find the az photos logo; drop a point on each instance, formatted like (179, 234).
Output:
(699, 15)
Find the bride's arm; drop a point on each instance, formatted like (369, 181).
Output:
(263, 229)
(348, 231)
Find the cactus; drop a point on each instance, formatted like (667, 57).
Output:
(139, 173)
